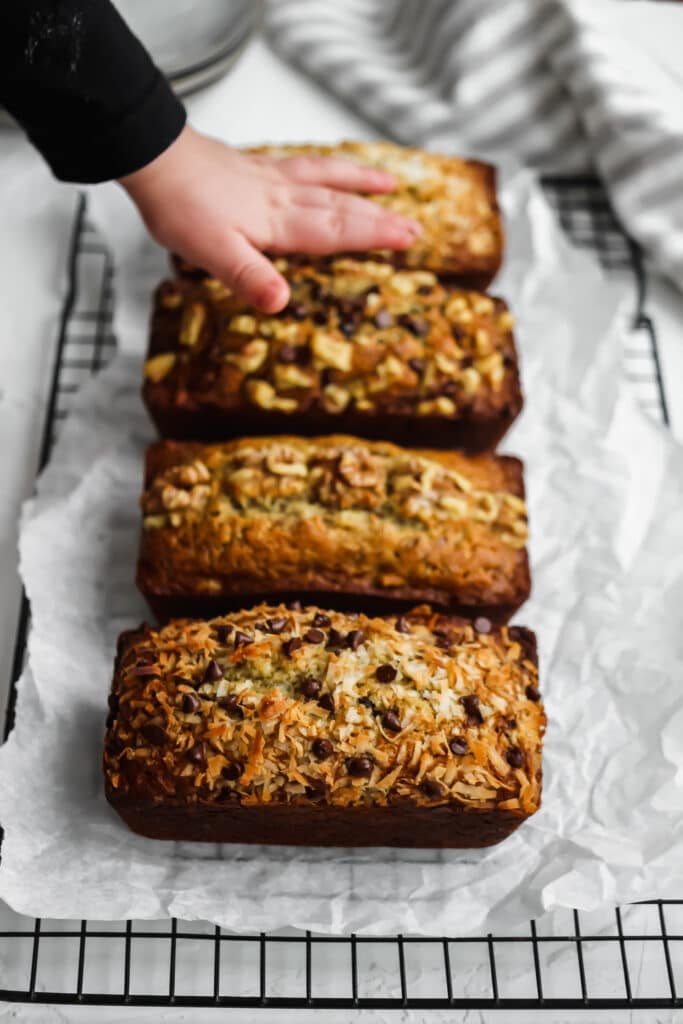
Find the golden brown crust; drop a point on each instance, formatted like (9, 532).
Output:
(358, 341)
(312, 708)
(333, 515)
(453, 199)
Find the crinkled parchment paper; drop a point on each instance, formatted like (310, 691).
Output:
(606, 498)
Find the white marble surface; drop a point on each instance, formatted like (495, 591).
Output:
(262, 99)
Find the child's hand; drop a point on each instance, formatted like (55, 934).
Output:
(220, 208)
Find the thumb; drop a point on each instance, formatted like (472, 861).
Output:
(249, 274)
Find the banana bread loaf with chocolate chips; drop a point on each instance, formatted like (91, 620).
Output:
(361, 348)
(358, 524)
(453, 199)
(295, 725)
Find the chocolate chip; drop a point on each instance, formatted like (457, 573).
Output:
(385, 673)
(328, 376)
(391, 721)
(402, 625)
(191, 703)
(314, 636)
(276, 625)
(321, 620)
(311, 687)
(515, 757)
(146, 670)
(442, 629)
(458, 332)
(432, 788)
(424, 289)
(418, 365)
(471, 706)
(347, 328)
(352, 306)
(443, 642)
(223, 632)
(319, 317)
(482, 624)
(415, 326)
(294, 606)
(508, 359)
(197, 753)
(533, 692)
(168, 288)
(327, 702)
(458, 746)
(303, 355)
(359, 767)
(383, 318)
(154, 734)
(355, 638)
(322, 749)
(261, 627)
(466, 362)
(511, 723)
(241, 638)
(299, 311)
(231, 705)
(335, 638)
(470, 702)
(287, 354)
(450, 388)
(316, 789)
(232, 771)
(367, 703)
(290, 646)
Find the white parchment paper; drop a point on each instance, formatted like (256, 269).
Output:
(606, 509)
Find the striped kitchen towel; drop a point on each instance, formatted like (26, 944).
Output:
(564, 85)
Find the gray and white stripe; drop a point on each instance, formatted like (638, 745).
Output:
(551, 82)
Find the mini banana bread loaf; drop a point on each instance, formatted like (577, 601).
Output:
(333, 520)
(361, 348)
(309, 727)
(453, 199)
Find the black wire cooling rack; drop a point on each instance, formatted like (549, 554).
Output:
(625, 959)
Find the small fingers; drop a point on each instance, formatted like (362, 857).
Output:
(336, 172)
(250, 274)
(320, 221)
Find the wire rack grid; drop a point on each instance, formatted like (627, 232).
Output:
(630, 958)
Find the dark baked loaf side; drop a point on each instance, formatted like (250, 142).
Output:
(304, 726)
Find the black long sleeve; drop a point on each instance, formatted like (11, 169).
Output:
(84, 88)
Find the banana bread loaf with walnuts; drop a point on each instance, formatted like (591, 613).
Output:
(358, 524)
(361, 348)
(301, 726)
(453, 199)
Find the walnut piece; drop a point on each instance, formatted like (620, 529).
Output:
(329, 351)
(251, 356)
(159, 366)
(191, 323)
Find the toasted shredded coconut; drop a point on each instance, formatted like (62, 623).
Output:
(252, 740)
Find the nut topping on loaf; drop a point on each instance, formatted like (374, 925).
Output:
(333, 515)
(357, 335)
(293, 477)
(276, 705)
